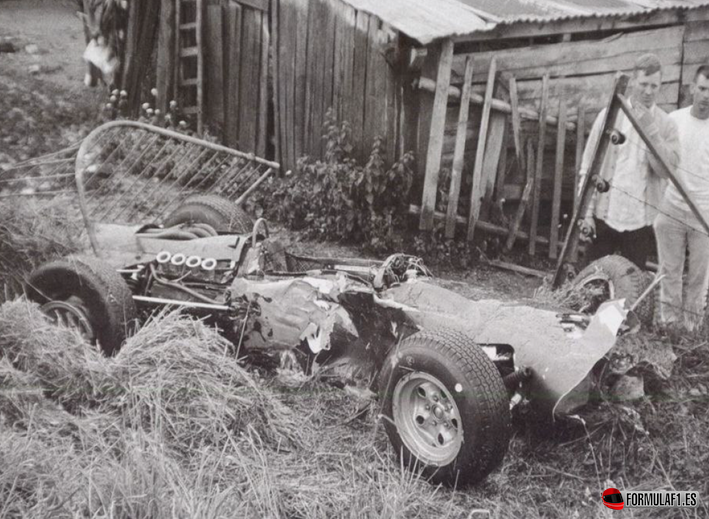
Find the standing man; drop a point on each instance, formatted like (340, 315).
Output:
(621, 219)
(676, 227)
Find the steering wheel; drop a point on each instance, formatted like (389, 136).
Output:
(261, 222)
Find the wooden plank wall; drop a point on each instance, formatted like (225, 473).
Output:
(696, 51)
(331, 56)
(237, 42)
(581, 74)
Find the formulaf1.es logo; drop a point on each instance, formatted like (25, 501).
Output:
(613, 499)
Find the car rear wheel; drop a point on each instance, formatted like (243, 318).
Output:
(446, 408)
(613, 277)
(218, 212)
(87, 295)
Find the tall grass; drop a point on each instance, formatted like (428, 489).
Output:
(175, 427)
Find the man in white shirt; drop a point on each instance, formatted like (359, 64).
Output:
(621, 218)
(676, 227)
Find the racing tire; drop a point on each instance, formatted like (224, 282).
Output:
(86, 294)
(222, 214)
(614, 277)
(445, 407)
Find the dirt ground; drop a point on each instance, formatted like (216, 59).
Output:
(43, 101)
(46, 107)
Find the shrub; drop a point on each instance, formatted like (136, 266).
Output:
(338, 199)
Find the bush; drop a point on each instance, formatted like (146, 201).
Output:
(338, 199)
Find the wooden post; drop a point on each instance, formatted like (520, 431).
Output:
(498, 105)
(214, 66)
(540, 165)
(143, 23)
(459, 152)
(558, 179)
(529, 185)
(276, 78)
(435, 140)
(502, 168)
(475, 193)
(233, 70)
(199, 6)
(599, 153)
(580, 144)
(491, 162)
(263, 88)
(516, 135)
(166, 55)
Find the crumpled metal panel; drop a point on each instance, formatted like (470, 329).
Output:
(560, 359)
(283, 313)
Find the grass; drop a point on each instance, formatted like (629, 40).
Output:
(174, 426)
(32, 232)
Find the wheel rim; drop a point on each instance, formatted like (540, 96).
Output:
(427, 418)
(597, 289)
(70, 315)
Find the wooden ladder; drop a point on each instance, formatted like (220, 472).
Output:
(189, 80)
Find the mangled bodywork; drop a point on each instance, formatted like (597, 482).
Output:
(362, 324)
(446, 369)
(355, 312)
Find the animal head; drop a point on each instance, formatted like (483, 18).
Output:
(104, 27)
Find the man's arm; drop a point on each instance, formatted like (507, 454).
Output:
(662, 132)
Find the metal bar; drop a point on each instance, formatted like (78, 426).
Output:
(185, 138)
(149, 178)
(47, 177)
(183, 189)
(149, 195)
(189, 167)
(234, 174)
(572, 235)
(239, 179)
(80, 156)
(138, 177)
(651, 146)
(40, 193)
(116, 169)
(253, 187)
(177, 302)
(207, 177)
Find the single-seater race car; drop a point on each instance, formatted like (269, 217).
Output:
(446, 369)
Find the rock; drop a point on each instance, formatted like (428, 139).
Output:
(34, 69)
(7, 46)
(31, 49)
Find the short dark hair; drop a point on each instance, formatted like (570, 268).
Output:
(648, 63)
(703, 70)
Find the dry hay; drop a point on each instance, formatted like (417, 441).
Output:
(32, 232)
(139, 443)
(172, 426)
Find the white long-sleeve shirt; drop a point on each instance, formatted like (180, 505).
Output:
(693, 169)
(636, 185)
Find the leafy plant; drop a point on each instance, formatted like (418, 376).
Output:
(340, 200)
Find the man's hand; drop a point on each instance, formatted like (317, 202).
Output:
(588, 229)
(643, 115)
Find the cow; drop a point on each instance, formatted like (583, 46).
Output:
(105, 23)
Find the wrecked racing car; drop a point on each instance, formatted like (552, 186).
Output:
(446, 369)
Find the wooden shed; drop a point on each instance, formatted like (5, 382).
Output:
(487, 93)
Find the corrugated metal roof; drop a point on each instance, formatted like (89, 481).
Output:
(520, 11)
(425, 20)
(428, 20)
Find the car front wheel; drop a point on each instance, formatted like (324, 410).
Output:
(446, 409)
